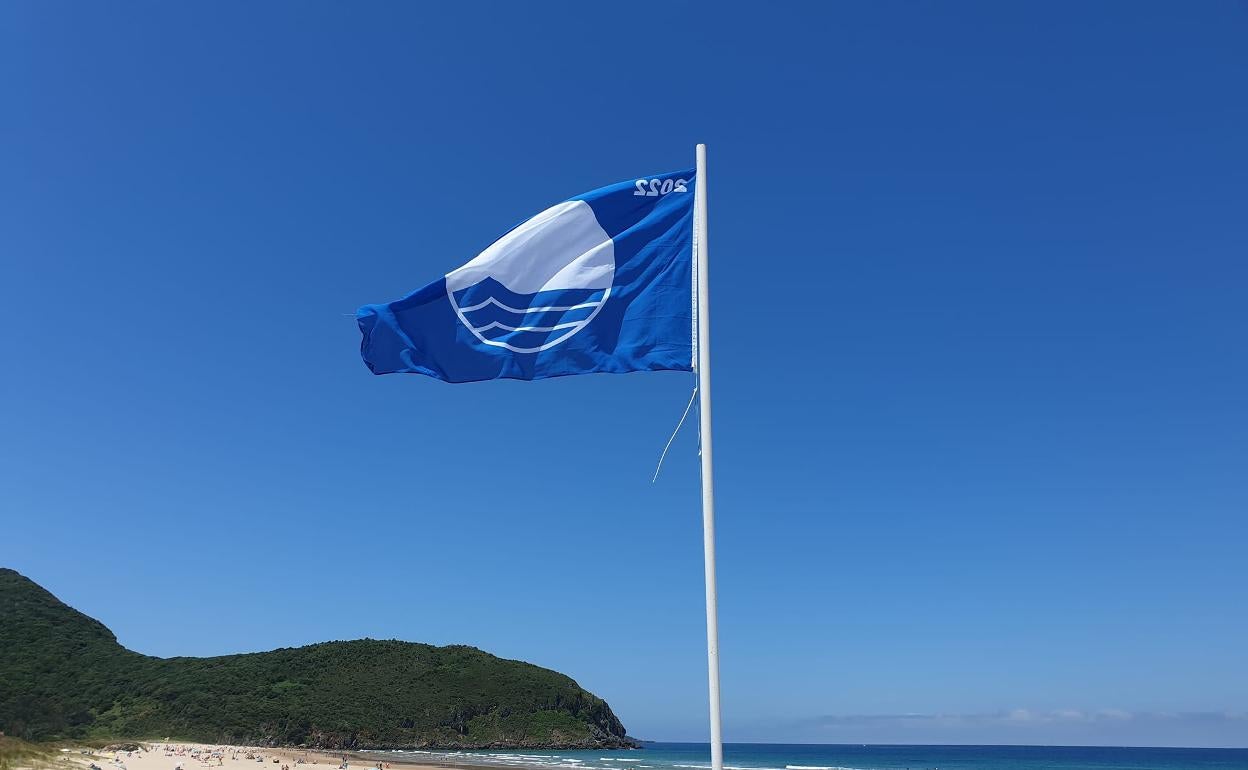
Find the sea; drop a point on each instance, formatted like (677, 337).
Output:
(780, 756)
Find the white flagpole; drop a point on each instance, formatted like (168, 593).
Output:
(708, 486)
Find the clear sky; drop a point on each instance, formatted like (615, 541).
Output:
(979, 279)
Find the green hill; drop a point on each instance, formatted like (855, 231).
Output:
(64, 675)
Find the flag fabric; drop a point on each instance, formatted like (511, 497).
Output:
(602, 282)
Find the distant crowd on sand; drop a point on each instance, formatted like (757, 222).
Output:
(214, 756)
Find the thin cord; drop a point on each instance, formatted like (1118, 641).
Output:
(689, 406)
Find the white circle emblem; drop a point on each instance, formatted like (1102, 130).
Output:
(539, 284)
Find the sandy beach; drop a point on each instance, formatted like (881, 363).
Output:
(198, 756)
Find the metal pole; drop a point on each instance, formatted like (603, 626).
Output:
(708, 485)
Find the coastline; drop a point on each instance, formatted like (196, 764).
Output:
(157, 755)
(161, 755)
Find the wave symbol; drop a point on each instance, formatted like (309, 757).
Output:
(540, 283)
(525, 323)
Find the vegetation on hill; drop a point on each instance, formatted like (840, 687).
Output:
(16, 753)
(64, 675)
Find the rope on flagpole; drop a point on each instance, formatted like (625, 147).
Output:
(672, 438)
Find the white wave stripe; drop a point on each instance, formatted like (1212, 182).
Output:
(545, 309)
(556, 327)
(567, 329)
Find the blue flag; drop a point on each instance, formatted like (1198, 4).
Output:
(602, 282)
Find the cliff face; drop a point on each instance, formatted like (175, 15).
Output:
(63, 674)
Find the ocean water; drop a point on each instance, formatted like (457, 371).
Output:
(778, 756)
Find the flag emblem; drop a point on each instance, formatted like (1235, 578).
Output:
(533, 303)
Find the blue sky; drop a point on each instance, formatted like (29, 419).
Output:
(980, 319)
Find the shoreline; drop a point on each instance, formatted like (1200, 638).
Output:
(158, 755)
(185, 755)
